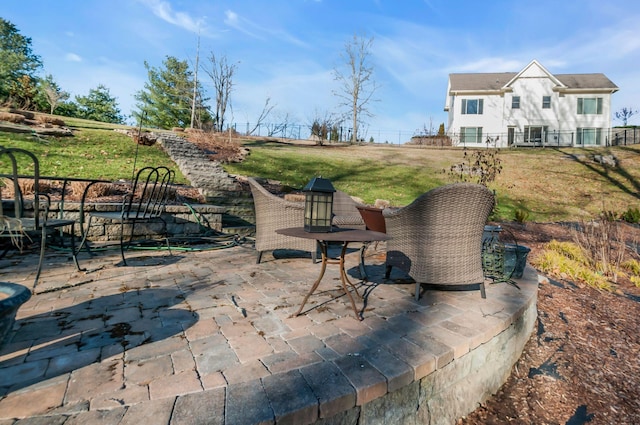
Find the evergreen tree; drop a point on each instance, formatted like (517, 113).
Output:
(68, 109)
(99, 105)
(167, 98)
(18, 64)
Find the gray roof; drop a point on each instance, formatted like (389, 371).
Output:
(497, 80)
(586, 81)
(476, 81)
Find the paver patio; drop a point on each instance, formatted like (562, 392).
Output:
(205, 336)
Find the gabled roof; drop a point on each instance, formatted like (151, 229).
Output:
(480, 82)
(586, 81)
(535, 70)
(500, 81)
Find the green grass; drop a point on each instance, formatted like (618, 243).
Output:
(546, 184)
(350, 169)
(91, 154)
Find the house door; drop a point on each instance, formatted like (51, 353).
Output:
(511, 136)
(535, 135)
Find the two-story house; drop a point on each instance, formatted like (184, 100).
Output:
(529, 108)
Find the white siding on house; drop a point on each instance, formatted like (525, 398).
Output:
(561, 120)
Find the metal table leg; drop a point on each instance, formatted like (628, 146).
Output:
(344, 279)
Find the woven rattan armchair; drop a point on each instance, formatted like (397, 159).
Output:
(345, 211)
(273, 213)
(437, 239)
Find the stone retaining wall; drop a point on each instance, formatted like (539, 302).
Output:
(216, 185)
(456, 389)
(182, 220)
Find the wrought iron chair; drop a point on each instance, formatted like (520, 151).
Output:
(17, 221)
(437, 239)
(145, 203)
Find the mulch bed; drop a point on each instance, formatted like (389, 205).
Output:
(582, 363)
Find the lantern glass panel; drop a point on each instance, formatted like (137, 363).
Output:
(318, 211)
(318, 205)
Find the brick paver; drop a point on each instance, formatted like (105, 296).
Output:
(208, 337)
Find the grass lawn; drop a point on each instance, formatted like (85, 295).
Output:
(548, 184)
(91, 153)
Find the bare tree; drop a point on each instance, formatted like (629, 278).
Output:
(357, 85)
(281, 124)
(624, 114)
(221, 73)
(195, 87)
(52, 92)
(266, 110)
(54, 97)
(321, 126)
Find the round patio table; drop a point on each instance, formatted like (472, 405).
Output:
(337, 234)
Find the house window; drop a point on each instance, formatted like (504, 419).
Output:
(515, 102)
(589, 136)
(546, 102)
(472, 106)
(535, 134)
(589, 105)
(471, 134)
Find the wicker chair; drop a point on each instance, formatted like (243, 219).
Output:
(273, 213)
(345, 211)
(437, 239)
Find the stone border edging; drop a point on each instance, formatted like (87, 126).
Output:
(428, 385)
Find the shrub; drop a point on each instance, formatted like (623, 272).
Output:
(567, 260)
(27, 187)
(48, 119)
(97, 190)
(595, 256)
(609, 216)
(27, 114)
(569, 250)
(521, 215)
(631, 215)
(603, 242)
(481, 166)
(632, 266)
(14, 118)
(223, 147)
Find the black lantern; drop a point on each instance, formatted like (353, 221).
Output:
(318, 205)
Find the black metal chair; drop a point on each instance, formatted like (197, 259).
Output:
(17, 221)
(145, 203)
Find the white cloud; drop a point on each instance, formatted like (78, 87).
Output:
(254, 30)
(163, 10)
(491, 64)
(72, 57)
(233, 20)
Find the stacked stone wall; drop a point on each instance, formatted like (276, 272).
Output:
(181, 221)
(216, 185)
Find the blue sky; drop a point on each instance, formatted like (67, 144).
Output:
(286, 50)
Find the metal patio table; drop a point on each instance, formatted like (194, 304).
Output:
(338, 234)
